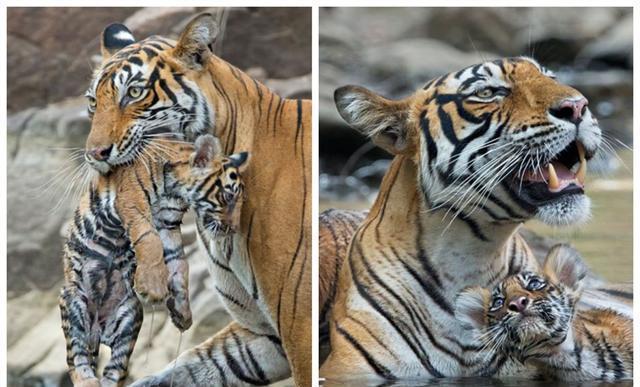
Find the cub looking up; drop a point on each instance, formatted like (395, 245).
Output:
(532, 318)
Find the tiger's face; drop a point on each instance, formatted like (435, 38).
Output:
(527, 313)
(501, 141)
(145, 90)
(215, 188)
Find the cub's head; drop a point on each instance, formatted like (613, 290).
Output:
(501, 141)
(526, 313)
(146, 89)
(216, 190)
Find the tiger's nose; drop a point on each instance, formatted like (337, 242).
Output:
(518, 304)
(100, 153)
(570, 110)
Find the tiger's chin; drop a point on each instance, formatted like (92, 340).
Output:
(566, 211)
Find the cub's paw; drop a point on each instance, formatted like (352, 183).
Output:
(180, 313)
(151, 283)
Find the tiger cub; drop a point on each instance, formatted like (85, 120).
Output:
(130, 216)
(532, 318)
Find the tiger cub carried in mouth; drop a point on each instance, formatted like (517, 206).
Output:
(532, 318)
(128, 224)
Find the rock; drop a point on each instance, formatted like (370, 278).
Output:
(38, 174)
(276, 39)
(614, 48)
(48, 51)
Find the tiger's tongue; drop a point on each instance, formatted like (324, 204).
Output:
(558, 177)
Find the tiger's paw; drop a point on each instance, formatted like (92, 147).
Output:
(180, 313)
(151, 282)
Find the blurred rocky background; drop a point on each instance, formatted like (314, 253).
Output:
(51, 54)
(394, 51)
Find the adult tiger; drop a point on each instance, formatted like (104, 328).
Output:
(477, 153)
(159, 87)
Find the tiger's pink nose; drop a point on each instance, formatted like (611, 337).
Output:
(518, 304)
(570, 110)
(100, 153)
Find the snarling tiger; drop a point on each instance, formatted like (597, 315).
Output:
(531, 317)
(477, 153)
(129, 216)
(178, 90)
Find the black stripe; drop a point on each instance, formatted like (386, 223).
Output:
(379, 369)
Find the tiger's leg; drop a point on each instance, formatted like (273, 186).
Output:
(174, 258)
(232, 357)
(76, 325)
(151, 277)
(120, 334)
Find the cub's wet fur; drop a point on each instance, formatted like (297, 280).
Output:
(129, 216)
(532, 318)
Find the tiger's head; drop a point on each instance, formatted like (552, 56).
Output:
(502, 141)
(215, 188)
(527, 313)
(147, 89)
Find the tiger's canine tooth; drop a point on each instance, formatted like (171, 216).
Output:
(582, 170)
(553, 177)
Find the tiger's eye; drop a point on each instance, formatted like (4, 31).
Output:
(497, 304)
(484, 93)
(134, 92)
(92, 103)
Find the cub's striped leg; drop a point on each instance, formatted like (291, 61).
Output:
(233, 357)
(76, 325)
(178, 266)
(120, 334)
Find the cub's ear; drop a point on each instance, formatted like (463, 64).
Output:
(115, 37)
(566, 265)
(239, 160)
(207, 148)
(470, 307)
(384, 120)
(195, 42)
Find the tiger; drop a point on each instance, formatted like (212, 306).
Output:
(177, 90)
(532, 317)
(477, 153)
(129, 213)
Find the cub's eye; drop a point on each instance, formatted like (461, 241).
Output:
(92, 103)
(535, 284)
(134, 92)
(485, 93)
(496, 304)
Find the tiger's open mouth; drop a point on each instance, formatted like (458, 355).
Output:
(563, 174)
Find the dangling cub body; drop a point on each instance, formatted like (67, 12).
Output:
(532, 318)
(133, 216)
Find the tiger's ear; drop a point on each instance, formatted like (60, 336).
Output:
(470, 307)
(207, 148)
(195, 42)
(381, 119)
(565, 264)
(239, 160)
(114, 38)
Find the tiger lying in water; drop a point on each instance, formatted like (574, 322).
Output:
(133, 216)
(531, 317)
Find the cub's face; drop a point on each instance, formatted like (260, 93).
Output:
(529, 312)
(216, 189)
(501, 141)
